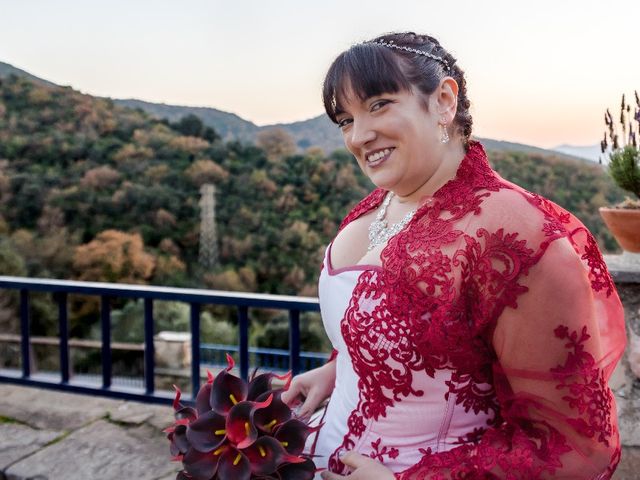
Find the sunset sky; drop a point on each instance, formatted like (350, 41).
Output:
(540, 73)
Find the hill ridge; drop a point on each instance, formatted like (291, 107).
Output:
(315, 131)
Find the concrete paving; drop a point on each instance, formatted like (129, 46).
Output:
(47, 435)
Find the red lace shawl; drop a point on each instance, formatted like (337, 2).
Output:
(507, 289)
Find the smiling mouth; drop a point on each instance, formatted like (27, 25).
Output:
(378, 157)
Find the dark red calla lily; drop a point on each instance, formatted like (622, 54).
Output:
(234, 465)
(208, 432)
(293, 434)
(182, 411)
(200, 465)
(241, 428)
(262, 383)
(203, 399)
(304, 470)
(227, 390)
(178, 438)
(266, 454)
(267, 419)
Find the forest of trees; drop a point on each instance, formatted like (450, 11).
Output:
(94, 191)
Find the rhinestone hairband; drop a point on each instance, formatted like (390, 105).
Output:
(390, 44)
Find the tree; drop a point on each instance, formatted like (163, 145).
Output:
(132, 153)
(192, 126)
(114, 256)
(5, 186)
(170, 270)
(11, 263)
(189, 145)
(276, 143)
(100, 177)
(206, 171)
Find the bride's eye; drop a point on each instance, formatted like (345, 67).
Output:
(344, 122)
(379, 104)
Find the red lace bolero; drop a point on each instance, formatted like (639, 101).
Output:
(508, 290)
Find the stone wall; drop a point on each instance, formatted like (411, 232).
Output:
(625, 270)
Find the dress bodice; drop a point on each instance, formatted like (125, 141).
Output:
(427, 419)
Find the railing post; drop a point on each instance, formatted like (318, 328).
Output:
(243, 345)
(24, 330)
(149, 360)
(294, 341)
(195, 349)
(105, 319)
(63, 323)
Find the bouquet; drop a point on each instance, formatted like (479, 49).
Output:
(239, 431)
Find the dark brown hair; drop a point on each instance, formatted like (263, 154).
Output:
(370, 69)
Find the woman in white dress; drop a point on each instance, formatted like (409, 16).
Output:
(474, 323)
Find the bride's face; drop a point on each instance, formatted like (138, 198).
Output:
(394, 137)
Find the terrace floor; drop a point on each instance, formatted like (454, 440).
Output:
(62, 436)
(47, 435)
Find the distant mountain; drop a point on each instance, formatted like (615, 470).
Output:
(7, 70)
(503, 146)
(317, 131)
(228, 125)
(590, 152)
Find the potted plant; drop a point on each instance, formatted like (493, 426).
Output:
(623, 220)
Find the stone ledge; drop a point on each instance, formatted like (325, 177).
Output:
(100, 450)
(624, 268)
(629, 419)
(20, 441)
(93, 438)
(629, 465)
(44, 409)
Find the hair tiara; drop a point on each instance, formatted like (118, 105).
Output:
(390, 44)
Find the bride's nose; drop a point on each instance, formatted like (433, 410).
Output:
(361, 133)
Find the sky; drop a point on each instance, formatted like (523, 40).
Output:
(540, 73)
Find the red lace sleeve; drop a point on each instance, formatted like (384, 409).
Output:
(556, 342)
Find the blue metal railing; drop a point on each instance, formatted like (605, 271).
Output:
(273, 359)
(108, 291)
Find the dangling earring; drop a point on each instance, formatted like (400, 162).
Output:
(444, 135)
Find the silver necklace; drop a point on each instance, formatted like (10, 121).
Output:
(379, 231)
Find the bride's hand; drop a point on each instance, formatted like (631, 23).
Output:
(362, 468)
(308, 390)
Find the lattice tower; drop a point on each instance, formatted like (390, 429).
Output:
(208, 255)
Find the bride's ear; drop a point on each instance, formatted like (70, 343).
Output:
(447, 99)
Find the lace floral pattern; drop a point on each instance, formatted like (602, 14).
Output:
(600, 278)
(437, 302)
(587, 390)
(380, 451)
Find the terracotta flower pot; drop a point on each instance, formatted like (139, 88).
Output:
(624, 225)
